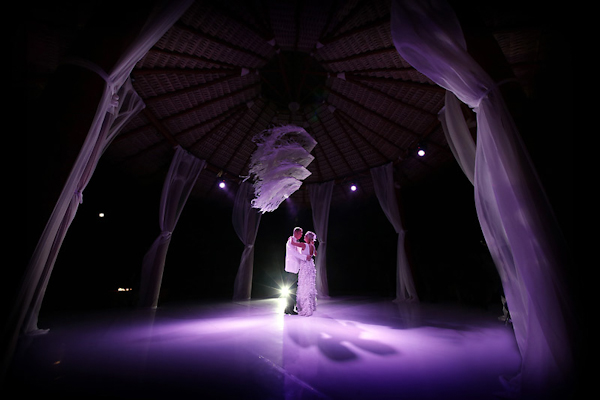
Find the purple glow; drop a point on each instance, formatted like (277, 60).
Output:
(349, 348)
(222, 184)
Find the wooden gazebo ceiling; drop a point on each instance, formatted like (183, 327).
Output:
(230, 69)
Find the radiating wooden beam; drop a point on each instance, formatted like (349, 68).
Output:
(333, 7)
(186, 71)
(260, 31)
(247, 163)
(355, 31)
(349, 16)
(195, 58)
(297, 13)
(237, 148)
(369, 53)
(225, 114)
(345, 122)
(351, 78)
(333, 142)
(216, 128)
(372, 112)
(160, 127)
(164, 131)
(212, 101)
(377, 134)
(356, 75)
(319, 148)
(200, 34)
(238, 117)
(179, 92)
(349, 138)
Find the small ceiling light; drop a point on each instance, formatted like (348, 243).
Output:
(101, 215)
(421, 149)
(222, 184)
(421, 152)
(353, 188)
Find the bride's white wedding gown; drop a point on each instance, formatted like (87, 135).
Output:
(306, 293)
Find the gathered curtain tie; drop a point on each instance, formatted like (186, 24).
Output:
(79, 196)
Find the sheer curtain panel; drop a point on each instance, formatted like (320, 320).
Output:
(128, 105)
(320, 201)
(246, 221)
(458, 135)
(515, 216)
(180, 181)
(383, 181)
(165, 14)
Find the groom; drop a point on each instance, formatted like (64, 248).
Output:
(293, 257)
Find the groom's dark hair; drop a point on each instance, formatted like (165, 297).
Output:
(296, 229)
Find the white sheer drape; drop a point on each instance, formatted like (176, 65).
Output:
(458, 135)
(320, 201)
(164, 15)
(515, 216)
(383, 181)
(129, 104)
(246, 221)
(39, 267)
(180, 181)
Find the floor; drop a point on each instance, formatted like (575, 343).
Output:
(351, 348)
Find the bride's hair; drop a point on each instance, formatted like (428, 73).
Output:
(311, 235)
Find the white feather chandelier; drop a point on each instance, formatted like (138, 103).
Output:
(278, 166)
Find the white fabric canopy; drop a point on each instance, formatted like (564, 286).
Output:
(383, 181)
(246, 221)
(37, 271)
(39, 268)
(515, 216)
(180, 181)
(320, 201)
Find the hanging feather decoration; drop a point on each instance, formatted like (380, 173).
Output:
(278, 166)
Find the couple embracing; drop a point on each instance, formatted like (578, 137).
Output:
(301, 273)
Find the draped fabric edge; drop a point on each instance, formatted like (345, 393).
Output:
(458, 136)
(383, 183)
(427, 34)
(128, 106)
(40, 265)
(176, 190)
(320, 200)
(246, 221)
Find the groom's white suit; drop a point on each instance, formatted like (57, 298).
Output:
(293, 256)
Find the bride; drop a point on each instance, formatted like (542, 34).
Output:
(306, 293)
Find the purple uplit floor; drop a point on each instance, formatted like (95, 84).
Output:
(351, 348)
